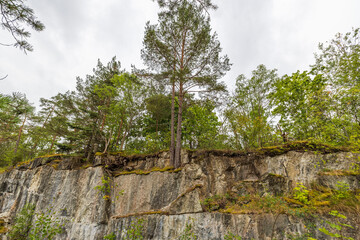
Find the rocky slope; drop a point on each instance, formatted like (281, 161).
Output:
(110, 194)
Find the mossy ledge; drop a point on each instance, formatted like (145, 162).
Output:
(144, 172)
(115, 161)
(142, 214)
(340, 172)
(298, 146)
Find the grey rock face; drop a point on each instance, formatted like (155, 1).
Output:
(168, 200)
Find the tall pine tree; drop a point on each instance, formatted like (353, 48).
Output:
(182, 49)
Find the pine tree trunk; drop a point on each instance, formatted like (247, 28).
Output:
(172, 143)
(178, 130)
(181, 99)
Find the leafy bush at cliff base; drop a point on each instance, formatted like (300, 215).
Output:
(110, 236)
(133, 232)
(44, 227)
(188, 233)
(22, 226)
(231, 236)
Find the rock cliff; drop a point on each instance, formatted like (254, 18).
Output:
(108, 195)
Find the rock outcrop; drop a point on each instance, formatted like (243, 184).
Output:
(108, 195)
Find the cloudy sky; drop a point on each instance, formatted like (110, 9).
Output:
(281, 34)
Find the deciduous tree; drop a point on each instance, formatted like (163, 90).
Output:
(249, 114)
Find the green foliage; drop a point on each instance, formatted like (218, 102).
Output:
(110, 236)
(132, 232)
(214, 203)
(112, 110)
(249, 113)
(14, 15)
(135, 230)
(3, 169)
(22, 224)
(183, 53)
(155, 124)
(231, 236)
(188, 233)
(342, 191)
(201, 127)
(106, 187)
(45, 226)
(302, 104)
(237, 204)
(324, 103)
(31, 226)
(15, 114)
(301, 193)
(306, 236)
(335, 229)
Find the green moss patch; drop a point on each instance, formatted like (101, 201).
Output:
(319, 200)
(273, 175)
(3, 229)
(3, 169)
(299, 146)
(339, 173)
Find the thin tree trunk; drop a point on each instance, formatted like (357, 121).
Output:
(126, 134)
(19, 135)
(123, 140)
(104, 118)
(118, 135)
(103, 122)
(107, 141)
(178, 131)
(172, 143)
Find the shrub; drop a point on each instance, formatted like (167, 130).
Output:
(188, 233)
(335, 229)
(110, 236)
(44, 227)
(342, 191)
(231, 236)
(22, 224)
(301, 193)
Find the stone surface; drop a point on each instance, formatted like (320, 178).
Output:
(167, 200)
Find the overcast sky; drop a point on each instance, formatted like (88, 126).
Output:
(281, 34)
